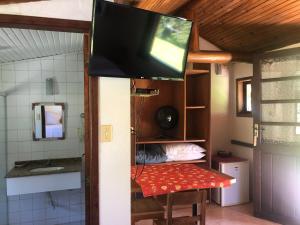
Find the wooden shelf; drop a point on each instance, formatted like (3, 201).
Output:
(196, 72)
(196, 107)
(180, 162)
(166, 141)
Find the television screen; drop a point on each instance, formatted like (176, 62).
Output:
(135, 43)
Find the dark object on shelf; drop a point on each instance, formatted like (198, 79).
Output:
(150, 154)
(145, 92)
(224, 154)
(166, 117)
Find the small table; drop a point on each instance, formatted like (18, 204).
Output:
(163, 179)
(154, 180)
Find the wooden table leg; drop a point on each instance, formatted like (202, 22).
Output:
(195, 209)
(203, 207)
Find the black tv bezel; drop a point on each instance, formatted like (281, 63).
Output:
(150, 77)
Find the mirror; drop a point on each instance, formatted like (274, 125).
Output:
(48, 121)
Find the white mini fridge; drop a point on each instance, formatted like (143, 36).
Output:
(238, 192)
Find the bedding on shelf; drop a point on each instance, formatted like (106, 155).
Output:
(183, 151)
(157, 153)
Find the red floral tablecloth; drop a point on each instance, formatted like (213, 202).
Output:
(163, 179)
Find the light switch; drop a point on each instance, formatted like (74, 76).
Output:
(106, 133)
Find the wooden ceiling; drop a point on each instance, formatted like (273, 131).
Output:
(238, 25)
(165, 6)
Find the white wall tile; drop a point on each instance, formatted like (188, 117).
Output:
(22, 76)
(60, 64)
(71, 65)
(12, 135)
(35, 64)
(47, 64)
(12, 147)
(22, 65)
(23, 100)
(11, 111)
(7, 66)
(8, 76)
(35, 76)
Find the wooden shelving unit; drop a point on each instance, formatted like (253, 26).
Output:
(191, 98)
(183, 162)
(196, 72)
(167, 141)
(196, 107)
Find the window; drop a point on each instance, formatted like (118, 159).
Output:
(243, 97)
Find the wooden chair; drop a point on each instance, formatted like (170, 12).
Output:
(147, 208)
(185, 198)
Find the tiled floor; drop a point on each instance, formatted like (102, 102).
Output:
(234, 215)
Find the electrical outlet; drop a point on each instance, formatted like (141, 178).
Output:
(106, 133)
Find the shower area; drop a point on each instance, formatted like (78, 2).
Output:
(3, 161)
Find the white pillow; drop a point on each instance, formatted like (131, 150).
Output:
(183, 151)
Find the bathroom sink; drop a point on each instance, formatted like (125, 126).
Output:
(47, 169)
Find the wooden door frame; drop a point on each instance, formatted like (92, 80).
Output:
(90, 101)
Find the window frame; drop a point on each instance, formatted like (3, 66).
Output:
(241, 96)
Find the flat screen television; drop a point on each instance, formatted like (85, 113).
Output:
(129, 42)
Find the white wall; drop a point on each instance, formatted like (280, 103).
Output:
(63, 9)
(219, 102)
(240, 127)
(219, 109)
(114, 157)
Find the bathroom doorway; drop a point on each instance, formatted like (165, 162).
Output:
(72, 86)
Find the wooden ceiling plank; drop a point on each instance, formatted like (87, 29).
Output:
(205, 14)
(274, 28)
(161, 6)
(255, 15)
(260, 31)
(236, 12)
(218, 29)
(283, 42)
(274, 35)
(241, 31)
(271, 17)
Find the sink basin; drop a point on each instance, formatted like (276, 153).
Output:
(47, 169)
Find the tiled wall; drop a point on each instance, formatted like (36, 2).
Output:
(25, 84)
(3, 199)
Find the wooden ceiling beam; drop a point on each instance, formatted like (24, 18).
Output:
(218, 57)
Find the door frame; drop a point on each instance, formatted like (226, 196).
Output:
(90, 101)
(257, 156)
